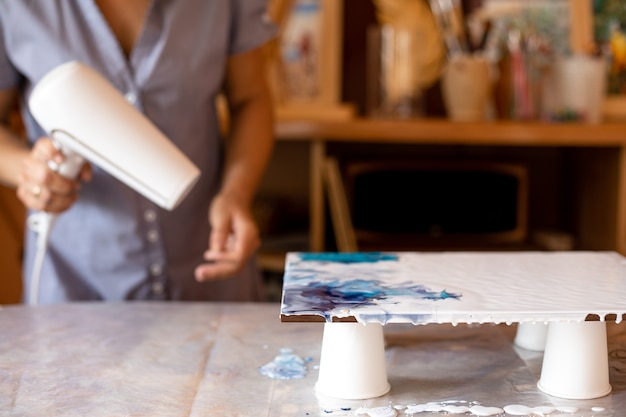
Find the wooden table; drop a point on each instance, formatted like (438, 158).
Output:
(195, 359)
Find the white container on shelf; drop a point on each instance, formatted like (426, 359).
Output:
(467, 87)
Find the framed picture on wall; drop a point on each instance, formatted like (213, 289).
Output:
(306, 60)
(300, 49)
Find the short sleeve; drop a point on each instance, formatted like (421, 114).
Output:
(9, 77)
(252, 25)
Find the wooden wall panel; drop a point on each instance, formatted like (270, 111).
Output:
(12, 215)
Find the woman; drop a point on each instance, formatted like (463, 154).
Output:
(170, 59)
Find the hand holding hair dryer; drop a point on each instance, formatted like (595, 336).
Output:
(87, 118)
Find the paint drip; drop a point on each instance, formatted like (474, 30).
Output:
(464, 408)
(386, 411)
(287, 365)
(451, 408)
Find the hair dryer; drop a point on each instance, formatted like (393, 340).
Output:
(88, 119)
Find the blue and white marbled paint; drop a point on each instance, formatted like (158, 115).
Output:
(335, 285)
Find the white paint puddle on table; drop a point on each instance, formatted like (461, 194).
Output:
(287, 365)
(466, 408)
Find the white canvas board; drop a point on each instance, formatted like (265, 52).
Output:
(454, 287)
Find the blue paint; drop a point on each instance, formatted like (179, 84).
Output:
(320, 297)
(286, 365)
(347, 258)
(341, 411)
(445, 294)
(331, 284)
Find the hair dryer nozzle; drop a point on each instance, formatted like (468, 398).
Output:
(85, 113)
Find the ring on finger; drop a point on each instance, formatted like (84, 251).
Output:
(36, 190)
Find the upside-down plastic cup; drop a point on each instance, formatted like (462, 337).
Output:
(531, 336)
(352, 362)
(575, 361)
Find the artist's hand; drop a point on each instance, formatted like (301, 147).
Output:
(234, 238)
(40, 187)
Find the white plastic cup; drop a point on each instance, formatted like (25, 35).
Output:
(531, 336)
(575, 362)
(352, 362)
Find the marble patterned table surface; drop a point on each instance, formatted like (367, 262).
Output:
(203, 359)
(454, 287)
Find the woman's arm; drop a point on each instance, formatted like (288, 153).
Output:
(251, 137)
(250, 142)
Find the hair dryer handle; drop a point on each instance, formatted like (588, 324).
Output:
(42, 222)
(73, 162)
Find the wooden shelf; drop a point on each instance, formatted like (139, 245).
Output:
(445, 132)
(596, 176)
